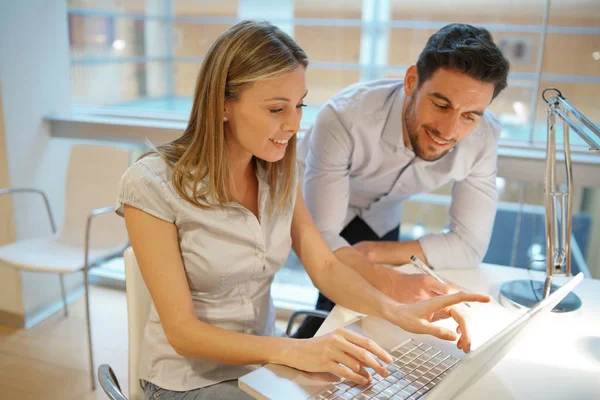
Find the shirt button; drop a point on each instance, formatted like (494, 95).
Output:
(249, 331)
(260, 256)
(246, 300)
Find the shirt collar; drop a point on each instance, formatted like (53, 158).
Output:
(392, 131)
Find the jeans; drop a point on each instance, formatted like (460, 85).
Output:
(225, 390)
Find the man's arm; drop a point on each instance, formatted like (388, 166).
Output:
(327, 195)
(327, 175)
(472, 214)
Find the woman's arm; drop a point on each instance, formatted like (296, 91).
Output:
(336, 280)
(156, 247)
(345, 286)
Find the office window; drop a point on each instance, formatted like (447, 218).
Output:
(143, 57)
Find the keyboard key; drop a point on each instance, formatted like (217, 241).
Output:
(422, 381)
(418, 351)
(411, 377)
(385, 384)
(422, 359)
(399, 374)
(412, 365)
(343, 386)
(401, 396)
(405, 369)
(378, 388)
(438, 370)
(392, 368)
(389, 392)
(396, 388)
(381, 396)
(355, 390)
(410, 389)
(429, 376)
(417, 385)
(402, 382)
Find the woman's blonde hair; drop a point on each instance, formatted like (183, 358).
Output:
(247, 52)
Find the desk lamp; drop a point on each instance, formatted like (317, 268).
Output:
(559, 209)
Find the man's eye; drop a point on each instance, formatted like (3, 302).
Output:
(276, 110)
(469, 117)
(441, 107)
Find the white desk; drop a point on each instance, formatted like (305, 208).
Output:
(557, 358)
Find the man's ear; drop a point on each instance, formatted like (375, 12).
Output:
(411, 80)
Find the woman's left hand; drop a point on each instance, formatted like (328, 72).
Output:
(418, 317)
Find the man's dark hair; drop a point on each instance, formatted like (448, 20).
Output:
(465, 48)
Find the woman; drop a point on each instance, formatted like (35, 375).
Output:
(212, 216)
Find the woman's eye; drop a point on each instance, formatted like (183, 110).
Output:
(299, 106)
(276, 110)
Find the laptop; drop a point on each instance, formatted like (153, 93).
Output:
(424, 366)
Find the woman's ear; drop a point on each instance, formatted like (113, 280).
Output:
(226, 112)
(411, 80)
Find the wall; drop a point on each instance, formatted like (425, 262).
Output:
(11, 303)
(34, 74)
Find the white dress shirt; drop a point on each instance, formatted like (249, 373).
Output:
(230, 258)
(356, 163)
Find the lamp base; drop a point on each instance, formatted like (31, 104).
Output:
(524, 293)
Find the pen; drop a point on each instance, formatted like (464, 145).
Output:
(414, 260)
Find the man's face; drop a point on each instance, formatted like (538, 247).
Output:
(442, 111)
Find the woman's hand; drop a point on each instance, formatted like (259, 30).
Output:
(418, 317)
(341, 352)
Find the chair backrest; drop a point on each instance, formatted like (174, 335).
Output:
(138, 308)
(93, 176)
(109, 383)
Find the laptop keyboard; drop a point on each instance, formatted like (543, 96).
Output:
(415, 369)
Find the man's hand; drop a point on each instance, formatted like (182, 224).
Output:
(410, 288)
(404, 288)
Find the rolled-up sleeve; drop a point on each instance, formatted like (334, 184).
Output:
(327, 175)
(472, 214)
(141, 188)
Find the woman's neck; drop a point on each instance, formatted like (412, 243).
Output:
(242, 168)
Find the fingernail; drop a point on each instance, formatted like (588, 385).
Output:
(365, 381)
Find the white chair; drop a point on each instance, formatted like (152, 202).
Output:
(138, 309)
(93, 175)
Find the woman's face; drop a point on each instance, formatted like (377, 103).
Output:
(266, 116)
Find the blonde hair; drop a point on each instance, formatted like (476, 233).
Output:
(247, 52)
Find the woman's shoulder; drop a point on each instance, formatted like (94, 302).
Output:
(151, 166)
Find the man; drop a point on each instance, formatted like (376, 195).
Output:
(375, 144)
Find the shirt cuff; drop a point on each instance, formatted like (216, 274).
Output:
(335, 241)
(441, 254)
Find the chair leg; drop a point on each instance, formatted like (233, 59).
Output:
(89, 325)
(64, 296)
